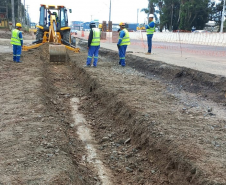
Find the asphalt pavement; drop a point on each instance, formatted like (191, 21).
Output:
(209, 59)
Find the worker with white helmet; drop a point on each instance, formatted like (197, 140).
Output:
(93, 45)
(17, 42)
(122, 44)
(150, 29)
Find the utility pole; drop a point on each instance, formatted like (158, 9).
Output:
(6, 5)
(13, 15)
(137, 15)
(28, 19)
(110, 12)
(24, 13)
(222, 18)
(171, 25)
(18, 13)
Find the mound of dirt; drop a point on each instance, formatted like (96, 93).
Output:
(151, 132)
(5, 35)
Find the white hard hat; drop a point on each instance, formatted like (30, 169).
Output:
(151, 15)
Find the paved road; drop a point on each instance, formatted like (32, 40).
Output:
(190, 48)
(210, 59)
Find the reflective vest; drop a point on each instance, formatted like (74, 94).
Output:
(125, 39)
(150, 30)
(96, 37)
(15, 40)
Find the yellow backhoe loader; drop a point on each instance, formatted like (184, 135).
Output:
(53, 28)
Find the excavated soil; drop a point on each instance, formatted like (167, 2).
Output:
(38, 145)
(151, 126)
(179, 131)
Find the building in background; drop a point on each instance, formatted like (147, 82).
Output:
(77, 25)
(84, 26)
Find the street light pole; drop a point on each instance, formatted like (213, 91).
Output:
(110, 12)
(137, 15)
(222, 18)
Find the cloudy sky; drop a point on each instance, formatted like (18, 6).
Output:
(84, 10)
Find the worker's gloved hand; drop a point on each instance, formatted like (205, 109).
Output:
(118, 46)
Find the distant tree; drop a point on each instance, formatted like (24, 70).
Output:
(194, 13)
(151, 10)
(180, 14)
(216, 13)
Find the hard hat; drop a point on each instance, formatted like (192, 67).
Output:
(18, 25)
(121, 24)
(100, 25)
(151, 15)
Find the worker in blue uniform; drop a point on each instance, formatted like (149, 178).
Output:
(150, 29)
(17, 42)
(122, 44)
(93, 45)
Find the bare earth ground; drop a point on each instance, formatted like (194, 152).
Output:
(148, 131)
(38, 146)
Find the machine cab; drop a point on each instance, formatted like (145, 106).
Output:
(59, 11)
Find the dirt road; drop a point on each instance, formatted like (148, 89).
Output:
(144, 127)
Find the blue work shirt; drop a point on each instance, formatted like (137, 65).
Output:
(121, 35)
(20, 36)
(151, 24)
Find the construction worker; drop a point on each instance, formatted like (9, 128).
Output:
(150, 29)
(17, 42)
(55, 13)
(122, 44)
(100, 27)
(93, 45)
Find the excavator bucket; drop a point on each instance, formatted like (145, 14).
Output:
(57, 53)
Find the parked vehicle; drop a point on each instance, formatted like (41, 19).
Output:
(201, 31)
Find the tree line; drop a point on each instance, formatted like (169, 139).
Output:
(184, 14)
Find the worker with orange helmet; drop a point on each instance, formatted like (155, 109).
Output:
(150, 29)
(122, 44)
(17, 42)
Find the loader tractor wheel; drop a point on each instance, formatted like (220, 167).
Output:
(73, 41)
(66, 36)
(39, 34)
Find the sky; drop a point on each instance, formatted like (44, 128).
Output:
(84, 10)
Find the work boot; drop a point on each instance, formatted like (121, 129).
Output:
(87, 65)
(147, 53)
(94, 66)
(19, 62)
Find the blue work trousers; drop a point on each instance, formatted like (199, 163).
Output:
(93, 50)
(122, 55)
(16, 53)
(149, 38)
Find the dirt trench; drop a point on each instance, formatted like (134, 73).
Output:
(39, 145)
(172, 139)
(145, 133)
